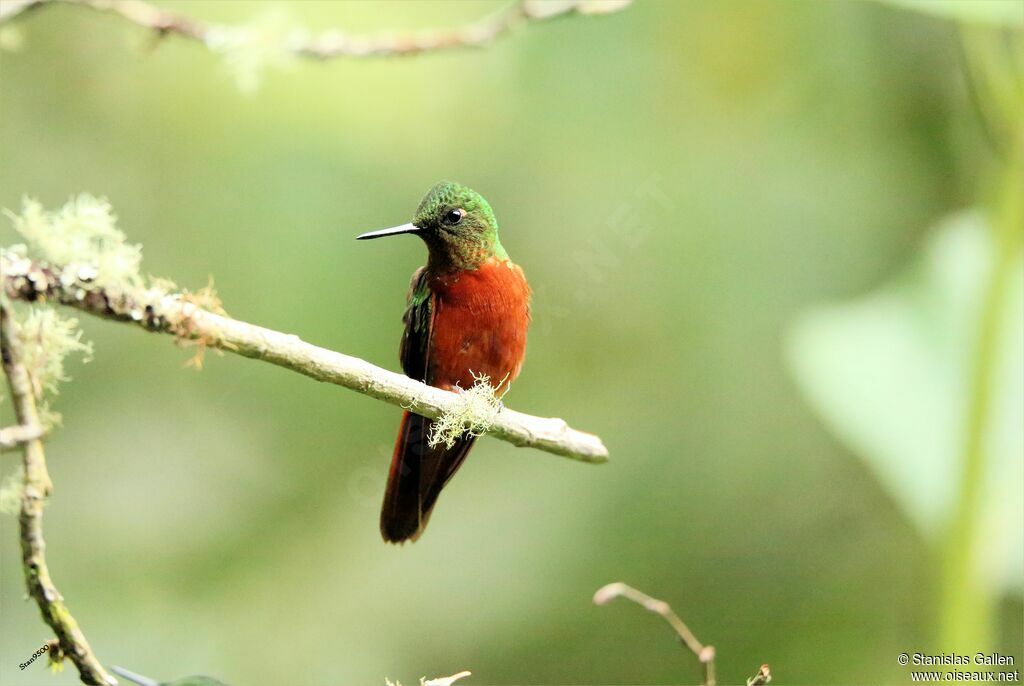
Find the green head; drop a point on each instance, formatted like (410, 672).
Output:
(457, 225)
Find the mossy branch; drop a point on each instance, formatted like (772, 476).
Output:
(35, 489)
(334, 44)
(177, 314)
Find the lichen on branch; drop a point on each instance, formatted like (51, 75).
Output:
(82, 237)
(472, 415)
(46, 339)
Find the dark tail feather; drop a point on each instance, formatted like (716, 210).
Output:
(400, 515)
(418, 473)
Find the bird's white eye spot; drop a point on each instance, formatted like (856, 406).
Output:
(453, 217)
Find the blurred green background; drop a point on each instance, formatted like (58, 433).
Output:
(680, 182)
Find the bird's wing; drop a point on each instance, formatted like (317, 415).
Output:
(418, 319)
(418, 471)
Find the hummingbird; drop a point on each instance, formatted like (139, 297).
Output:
(467, 312)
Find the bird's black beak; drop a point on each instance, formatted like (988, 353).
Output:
(393, 231)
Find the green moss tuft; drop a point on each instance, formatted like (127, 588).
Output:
(84, 238)
(46, 339)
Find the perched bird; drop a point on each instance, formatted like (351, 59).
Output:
(467, 313)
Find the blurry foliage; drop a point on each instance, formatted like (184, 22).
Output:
(926, 379)
(226, 522)
(890, 374)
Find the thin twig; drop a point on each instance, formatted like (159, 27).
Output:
(30, 281)
(704, 654)
(446, 680)
(333, 44)
(13, 437)
(133, 677)
(763, 676)
(37, 487)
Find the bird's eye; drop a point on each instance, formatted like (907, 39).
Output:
(454, 216)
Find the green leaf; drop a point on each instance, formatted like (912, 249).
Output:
(889, 375)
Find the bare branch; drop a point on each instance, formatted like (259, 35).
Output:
(763, 676)
(175, 314)
(133, 677)
(704, 654)
(9, 9)
(445, 680)
(37, 487)
(333, 44)
(13, 437)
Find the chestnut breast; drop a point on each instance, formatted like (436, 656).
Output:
(480, 322)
